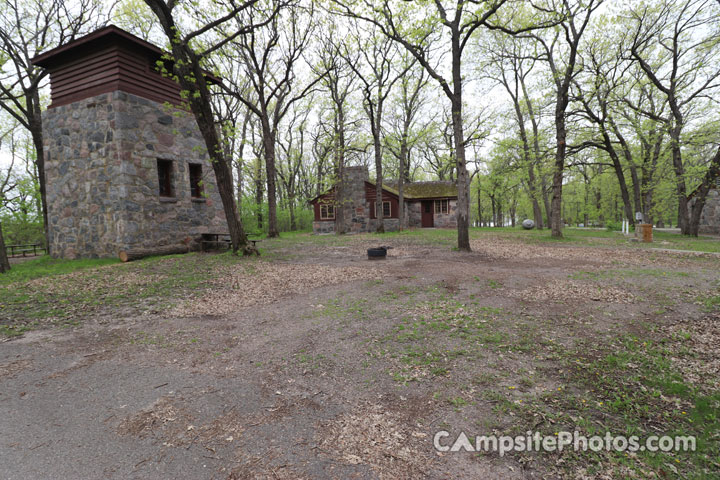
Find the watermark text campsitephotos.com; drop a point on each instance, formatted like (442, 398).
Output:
(444, 441)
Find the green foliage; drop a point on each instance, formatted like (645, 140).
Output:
(46, 266)
(249, 215)
(613, 226)
(22, 232)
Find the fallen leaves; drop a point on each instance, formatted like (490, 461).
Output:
(512, 249)
(378, 438)
(565, 290)
(239, 286)
(700, 337)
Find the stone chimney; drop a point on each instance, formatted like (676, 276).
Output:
(357, 214)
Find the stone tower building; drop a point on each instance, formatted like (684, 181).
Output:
(125, 165)
(710, 216)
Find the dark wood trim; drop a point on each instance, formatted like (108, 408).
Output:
(107, 60)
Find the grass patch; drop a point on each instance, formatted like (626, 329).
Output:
(40, 291)
(46, 266)
(640, 393)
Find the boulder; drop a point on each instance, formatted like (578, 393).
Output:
(528, 224)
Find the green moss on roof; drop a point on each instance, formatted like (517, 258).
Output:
(436, 189)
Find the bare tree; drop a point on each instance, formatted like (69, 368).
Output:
(560, 51)
(512, 68)
(5, 187)
(410, 102)
(271, 56)
(372, 63)
(604, 77)
(188, 70)
(676, 47)
(293, 149)
(339, 81)
(460, 20)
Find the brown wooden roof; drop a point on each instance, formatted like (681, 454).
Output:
(107, 60)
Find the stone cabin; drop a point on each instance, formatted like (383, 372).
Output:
(710, 216)
(427, 205)
(125, 164)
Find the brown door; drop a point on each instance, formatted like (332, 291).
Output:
(427, 214)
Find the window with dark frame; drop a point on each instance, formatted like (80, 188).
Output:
(165, 171)
(386, 209)
(196, 189)
(442, 206)
(327, 212)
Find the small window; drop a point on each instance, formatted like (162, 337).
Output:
(165, 172)
(196, 185)
(327, 212)
(386, 209)
(441, 206)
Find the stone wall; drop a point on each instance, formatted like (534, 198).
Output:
(102, 179)
(710, 217)
(323, 227)
(414, 214)
(447, 220)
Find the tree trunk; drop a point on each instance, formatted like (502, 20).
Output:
(561, 104)
(637, 190)
(463, 184)
(479, 205)
(700, 194)
(240, 161)
(377, 125)
(620, 174)
(138, 253)
(494, 212)
(546, 200)
(259, 193)
(556, 222)
(532, 184)
(537, 212)
(291, 207)
(191, 78)
(680, 186)
(270, 173)
(401, 181)
(4, 262)
(37, 137)
(340, 200)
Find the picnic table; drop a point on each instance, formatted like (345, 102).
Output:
(24, 250)
(254, 240)
(214, 241)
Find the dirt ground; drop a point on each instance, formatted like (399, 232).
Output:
(313, 362)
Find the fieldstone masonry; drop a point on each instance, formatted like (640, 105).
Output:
(357, 211)
(102, 178)
(447, 220)
(710, 217)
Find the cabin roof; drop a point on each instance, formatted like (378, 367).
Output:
(432, 189)
(88, 42)
(412, 190)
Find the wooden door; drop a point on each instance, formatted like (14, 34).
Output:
(427, 214)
